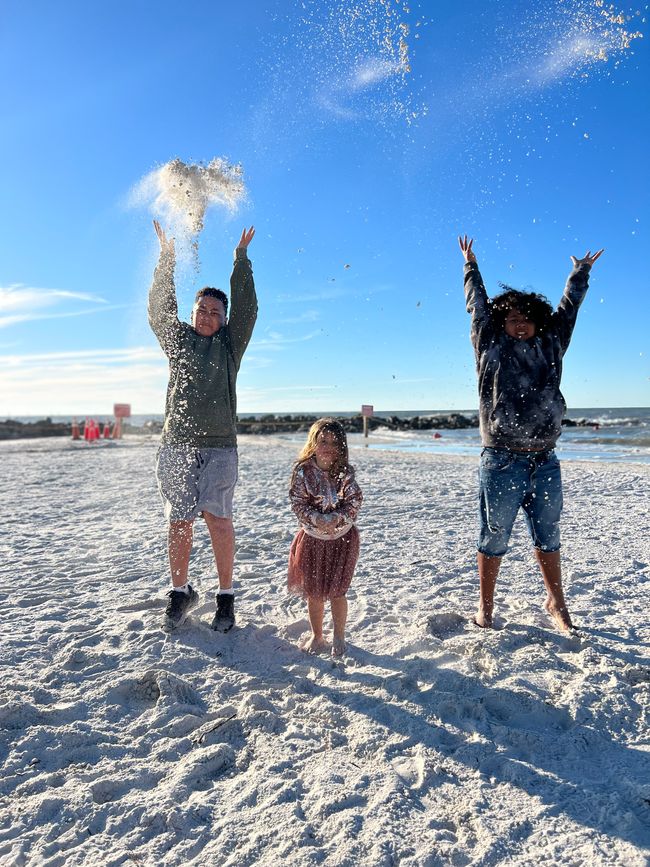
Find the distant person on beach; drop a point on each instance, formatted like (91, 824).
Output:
(519, 342)
(197, 460)
(326, 500)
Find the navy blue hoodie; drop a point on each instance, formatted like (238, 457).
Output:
(520, 403)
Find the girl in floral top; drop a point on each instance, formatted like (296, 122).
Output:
(326, 499)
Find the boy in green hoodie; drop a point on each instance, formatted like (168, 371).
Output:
(197, 461)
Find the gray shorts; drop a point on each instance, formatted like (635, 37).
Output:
(192, 481)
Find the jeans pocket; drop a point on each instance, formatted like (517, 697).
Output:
(496, 461)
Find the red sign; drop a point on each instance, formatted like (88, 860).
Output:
(367, 410)
(122, 410)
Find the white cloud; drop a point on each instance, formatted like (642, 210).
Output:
(307, 316)
(274, 340)
(82, 382)
(311, 297)
(27, 303)
(276, 399)
(66, 358)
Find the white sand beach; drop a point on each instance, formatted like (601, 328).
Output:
(431, 743)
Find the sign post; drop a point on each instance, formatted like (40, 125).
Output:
(120, 411)
(367, 411)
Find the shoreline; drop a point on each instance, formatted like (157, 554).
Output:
(37, 445)
(269, 423)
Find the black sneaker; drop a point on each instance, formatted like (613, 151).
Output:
(178, 607)
(224, 619)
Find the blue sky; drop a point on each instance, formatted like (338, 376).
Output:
(524, 126)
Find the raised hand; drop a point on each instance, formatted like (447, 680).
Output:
(166, 245)
(466, 248)
(587, 259)
(247, 236)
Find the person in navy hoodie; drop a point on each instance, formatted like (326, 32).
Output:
(519, 342)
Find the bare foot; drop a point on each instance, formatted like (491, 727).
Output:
(338, 647)
(482, 619)
(315, 645)
(560, 614)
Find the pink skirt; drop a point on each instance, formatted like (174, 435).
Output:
(322, 569)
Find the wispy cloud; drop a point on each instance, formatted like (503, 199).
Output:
(312, 297)
(294, 389)
(274, 340)
(19, 303)
(307, 316)
(299, 398)
(79, 382)
(83, 356)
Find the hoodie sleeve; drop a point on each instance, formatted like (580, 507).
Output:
(243, 305)
(162, 306)
(305, 509)
(476, 302)
(564, 318)
(350, 499)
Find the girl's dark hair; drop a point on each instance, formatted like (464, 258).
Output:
(211, 292)
(534, 306)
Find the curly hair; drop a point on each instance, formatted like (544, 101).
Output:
(532, 305)
(327, 425)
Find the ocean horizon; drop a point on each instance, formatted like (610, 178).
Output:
(599, 415)
(613, 435)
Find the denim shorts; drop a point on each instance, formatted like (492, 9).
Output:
(192, 481)
(509, 481)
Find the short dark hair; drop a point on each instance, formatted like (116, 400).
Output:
(211, 292)
(532, 305)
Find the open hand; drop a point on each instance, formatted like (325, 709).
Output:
(247, 236)
(466, 248)
(587, 259)
(166, 245)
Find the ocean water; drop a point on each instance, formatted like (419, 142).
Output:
(616, 434)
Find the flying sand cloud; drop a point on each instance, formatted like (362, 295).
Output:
(180, 193)
(373, 71)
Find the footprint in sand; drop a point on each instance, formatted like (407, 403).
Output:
(198, 771)
(142, 605)
(32, 601)
(445, 624)
(80, 660)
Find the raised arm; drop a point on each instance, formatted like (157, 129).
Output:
(564, 318)
(476, 299)
(243, 300)
(162, 307)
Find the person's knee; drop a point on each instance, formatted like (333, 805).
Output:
(181, 526)
(550, 553)
(221, 525)
(493, 549)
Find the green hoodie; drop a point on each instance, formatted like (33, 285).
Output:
(201, 404)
